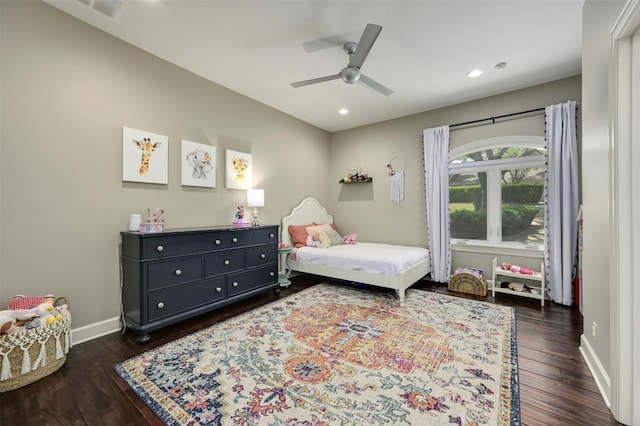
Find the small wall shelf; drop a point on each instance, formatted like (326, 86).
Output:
(367, 180)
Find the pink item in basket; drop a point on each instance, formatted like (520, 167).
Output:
(25, 302)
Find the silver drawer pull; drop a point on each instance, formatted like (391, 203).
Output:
(234, 239)
(219, 289)
(160, 305)
(159, 248)
(263, 256)
(273, 274)
(226, 262)
(178, 272)
(235, 284)
(272, 235)
(218, 242)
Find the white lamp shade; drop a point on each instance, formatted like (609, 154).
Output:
(255, 198)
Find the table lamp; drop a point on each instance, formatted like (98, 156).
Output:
(255, 199)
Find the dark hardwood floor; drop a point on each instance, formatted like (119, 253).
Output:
(556, 387)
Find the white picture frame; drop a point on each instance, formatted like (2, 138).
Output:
(145, 157)
(239, 169)
(198, 164)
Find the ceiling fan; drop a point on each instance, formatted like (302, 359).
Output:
(357, 54)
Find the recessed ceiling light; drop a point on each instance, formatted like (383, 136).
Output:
(500, 66)
(109, 8)
(474, 73)
(343, 111)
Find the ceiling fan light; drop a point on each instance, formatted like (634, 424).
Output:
(350, 75)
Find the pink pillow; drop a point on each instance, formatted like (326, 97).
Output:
(299, 234)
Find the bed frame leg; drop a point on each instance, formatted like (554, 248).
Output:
(400, 294)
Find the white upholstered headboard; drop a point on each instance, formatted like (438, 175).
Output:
(308, 211)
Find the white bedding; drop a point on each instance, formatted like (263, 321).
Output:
(369, 257)
(366, 265)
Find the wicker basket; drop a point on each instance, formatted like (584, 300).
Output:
(33, 354)
(466, 282)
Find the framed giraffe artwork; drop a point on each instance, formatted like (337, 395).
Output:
(145, 157)
(198, 164)
(239, 169)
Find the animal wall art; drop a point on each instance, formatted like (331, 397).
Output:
(198, 164)
(239, 170)
(145, 156)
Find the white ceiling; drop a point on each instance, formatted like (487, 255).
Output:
(425, 49)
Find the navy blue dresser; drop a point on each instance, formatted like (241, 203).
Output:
(177, 274)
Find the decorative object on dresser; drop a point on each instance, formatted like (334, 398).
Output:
(181, 273)
(521, 281)
(255, 199)
(154, 223)
(134, 222)
(241, 218)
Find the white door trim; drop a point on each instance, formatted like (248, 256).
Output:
(625, 238)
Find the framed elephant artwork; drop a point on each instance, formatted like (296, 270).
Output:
(198, 164)
(239, 169)
(145, 157)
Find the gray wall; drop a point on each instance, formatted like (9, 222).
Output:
(366, 208)
(598, 20)
(67, 91)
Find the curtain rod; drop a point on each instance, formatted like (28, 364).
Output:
(493, 119)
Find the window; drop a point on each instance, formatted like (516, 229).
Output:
(496, 192)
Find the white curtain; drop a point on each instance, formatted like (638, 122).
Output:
(436, 176)
(561, 226)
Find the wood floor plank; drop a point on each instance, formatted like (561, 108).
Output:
(556, 387)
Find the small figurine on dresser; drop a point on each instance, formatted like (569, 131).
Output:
(240, 221)
(154, 223)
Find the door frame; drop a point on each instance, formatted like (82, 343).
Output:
(624, 182)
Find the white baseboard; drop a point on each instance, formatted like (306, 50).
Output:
(597, 370)
(95, 330)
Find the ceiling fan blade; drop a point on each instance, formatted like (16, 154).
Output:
(375, 85)
(315, 80)
(365, 44)
(323, 43)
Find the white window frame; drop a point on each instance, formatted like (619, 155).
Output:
(494, 195)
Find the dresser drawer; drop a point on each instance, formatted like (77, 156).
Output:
(245, 281)
(171, 272)
(168, 246)
(249, 236)
(262, 255)
(221, 263)
(173, 300)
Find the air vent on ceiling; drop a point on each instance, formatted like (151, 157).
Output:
(108, 8)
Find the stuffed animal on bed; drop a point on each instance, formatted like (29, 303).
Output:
(350, 239)
(318, 239)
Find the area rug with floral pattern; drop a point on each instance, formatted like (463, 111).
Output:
(339, 355)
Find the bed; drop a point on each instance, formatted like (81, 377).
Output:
(384, 265)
